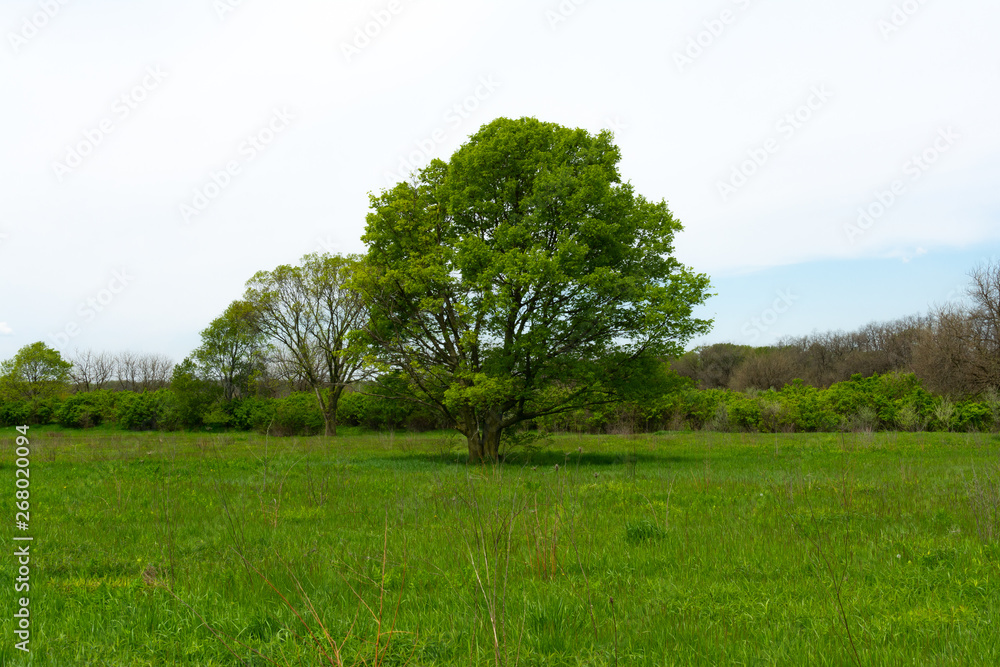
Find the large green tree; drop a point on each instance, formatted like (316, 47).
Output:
(36, 371)
(523, 278)
(310, 312)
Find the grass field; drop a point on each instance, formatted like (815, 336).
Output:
(683, 548)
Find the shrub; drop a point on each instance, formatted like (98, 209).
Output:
(909, 418)
(14, 413)
(78, 411)
(253, 414)
(373, 411)
(192, 396)
(943, 412)
(143, 412)
(297, 414)
(745, 412)
(972, 416)
(804, 408)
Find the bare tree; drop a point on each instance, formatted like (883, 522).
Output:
(711, 366)
(766, 369)
(944, 357)
(153, 371)
(984, 291)
(92, 371)
(877, 347)
(104, 370)
(959, 353)
(127, 370)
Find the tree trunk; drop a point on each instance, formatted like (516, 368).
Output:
(329, 409)
(484, 440)
(475, 447)
(331, 413)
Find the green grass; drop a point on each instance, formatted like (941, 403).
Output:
(683, 548)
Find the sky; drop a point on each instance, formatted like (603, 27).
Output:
(832, 163)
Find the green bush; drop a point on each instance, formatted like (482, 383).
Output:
(805, 409)
(253, 414)
(744, 411)
(375, 412)
(145, 411)
(298, 414)
(78, 411)
(14, 413)
(972, 416)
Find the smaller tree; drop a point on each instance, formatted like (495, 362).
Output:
(984, 316)
(233, 350)
(36, 371)
(311, 312)
(193, 395)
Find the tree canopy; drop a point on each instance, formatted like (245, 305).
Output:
(35, 371)
(233, 350)
(523, 278)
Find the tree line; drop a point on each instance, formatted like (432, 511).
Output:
(954, 350)
(267, 361)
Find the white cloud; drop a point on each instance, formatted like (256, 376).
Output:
(5, 330)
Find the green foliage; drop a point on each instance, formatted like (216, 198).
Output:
(745, 411)
(232, 350)
(147, 411)
(297, 414)
(644, 530)
(373, 411)
(33, 411)
(192, 395)
(523, 278)
(15, 413)
(878, 402)
(971, 416)
(252, 414)
(79, 411)
(696, 407)
(805, 408)
(36, 371)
